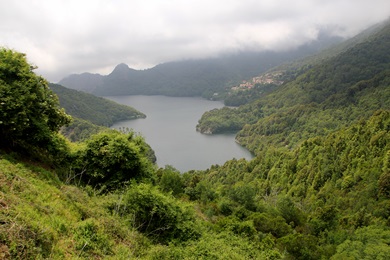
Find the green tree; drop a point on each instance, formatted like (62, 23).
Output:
(370, 242)
(112, 159)
(29, 110)
(171, 180)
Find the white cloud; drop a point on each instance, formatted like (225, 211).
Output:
(72, 36)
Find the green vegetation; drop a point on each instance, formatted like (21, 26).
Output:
(81, 130)
(90, 114)
(98, 110)
(327, 198)
(317, 189)
(30, 114)
(111, 159)
(322, 98)
(241, 97)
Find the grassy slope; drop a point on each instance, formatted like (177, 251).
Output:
(41, 217)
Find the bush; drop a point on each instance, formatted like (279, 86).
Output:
(157, 215)
(266, 223)
(112, 159)
(171, 181)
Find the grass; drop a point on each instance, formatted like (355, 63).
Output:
(41, 217)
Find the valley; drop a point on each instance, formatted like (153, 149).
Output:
(317, 187)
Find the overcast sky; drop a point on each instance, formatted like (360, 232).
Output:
(63, 37)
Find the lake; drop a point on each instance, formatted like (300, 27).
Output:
(170, 129)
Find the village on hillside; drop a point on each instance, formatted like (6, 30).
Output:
(267, 78)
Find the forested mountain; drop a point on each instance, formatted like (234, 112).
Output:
(190, 77)
(264, 83)
(90, 113)
(319, 187)
(97, 110)
(321, 99)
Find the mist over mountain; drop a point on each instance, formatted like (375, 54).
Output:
(202, 77)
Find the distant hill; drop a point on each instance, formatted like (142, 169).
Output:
(90, 114)
(97, 110)
(86, 82)
(190, 77)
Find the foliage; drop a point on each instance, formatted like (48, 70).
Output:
(158, 215)
(30, 113)
(311, 197)
(224, 120)
(242, 97)
(98, 110)
(110, 160)
(81, 130)
(44, 218)
(370, 242)
(322, 98)
(171, 180)
(312, 192)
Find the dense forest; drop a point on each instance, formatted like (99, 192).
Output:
(90, 114)
(321, 99)
(319, 187)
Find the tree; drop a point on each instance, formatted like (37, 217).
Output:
(111, 159)
(29, 111)
(171, 180)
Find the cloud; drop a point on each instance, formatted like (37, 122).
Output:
(63, 37)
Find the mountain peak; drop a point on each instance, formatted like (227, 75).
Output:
(122, 70)
(121, 67)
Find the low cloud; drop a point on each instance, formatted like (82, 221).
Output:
(64, 37)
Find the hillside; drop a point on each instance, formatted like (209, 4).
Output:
(254, 88)
(97, 110)
(329, 198)
(318, 190)
(189, 77)
(90, 114)
(319, 100)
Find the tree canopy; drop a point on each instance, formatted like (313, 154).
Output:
(29, 110)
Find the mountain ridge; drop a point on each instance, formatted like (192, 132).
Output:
(319, 93)
(192, 77)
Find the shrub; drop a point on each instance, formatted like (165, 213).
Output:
(158, 215)
(171, 181)
(112, 159)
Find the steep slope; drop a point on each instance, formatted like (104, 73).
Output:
(319, 200)
(90, 114)
(327, 96)
(97, 110)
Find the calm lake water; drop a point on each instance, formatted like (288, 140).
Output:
(169, 129)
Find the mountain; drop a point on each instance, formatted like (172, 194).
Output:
(319, 99)
(97, 110)
(256, 87)
(319, 187)
(90, 114)
(86, 82)
(189, 77)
